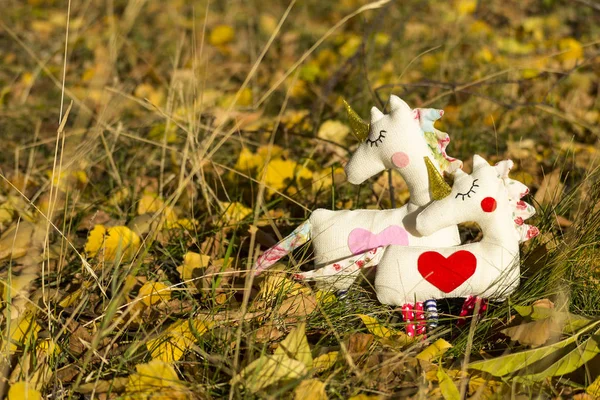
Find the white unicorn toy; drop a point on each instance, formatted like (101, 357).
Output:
(345, 241)
(489, 268)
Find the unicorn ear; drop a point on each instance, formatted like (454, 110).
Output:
(459, 173)
(503, 167)
(479, 162)
(376, 115)
(396, 103)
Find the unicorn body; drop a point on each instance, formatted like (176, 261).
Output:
(346, 240)
(489, 268)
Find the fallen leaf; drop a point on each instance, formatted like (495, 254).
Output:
(377, 329)
(156, 380)
(577, 357)
(325, 361)
(434, 350)
(23, 391)
(154, 292)
(310, 389)
(503, 365)
(594, 388)
(117, 243)
(551, 189)
(297, 307)
(447, 386)
(15, 241)
(192, 269)
(178, 338)
(116, 385)
(334, 131)
(359, 343)
(295, 345)
(268, 370)
(221, 34)
(23, 331)
(234, 212)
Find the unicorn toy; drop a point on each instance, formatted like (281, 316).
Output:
(347, 240)
(489, 268)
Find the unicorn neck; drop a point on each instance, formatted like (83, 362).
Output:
(417, 178)
(419, 192)
(499, 228)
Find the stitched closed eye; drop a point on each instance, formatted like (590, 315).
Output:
(469, 192)
(378, 140)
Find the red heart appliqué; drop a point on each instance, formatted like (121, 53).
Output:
(449, 273)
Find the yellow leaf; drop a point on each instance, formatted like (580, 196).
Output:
(325, 297)
(156, 380)
(72, 298)
(23, 391)
(377, 329)
(334, 131)
(572, 49)
(296, 346)
(221, 34)
(466, 7)
(191, 268)
(434, 350)
(279, 172)
(235, 212)
(594, 388)
(23, 331)
(95, 240)
(363, 396)
(120, 243)
(310, 389)
(154, 95)
(248, 161)
(49, 347)
(119, 197)
(325, 361)
(154, 292)
(447, 386)
(350, 46)
(178, 338)
(150, 204)
(276, 285)
(268, 370)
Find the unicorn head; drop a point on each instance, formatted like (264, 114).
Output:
(486, 196)
(400, 140)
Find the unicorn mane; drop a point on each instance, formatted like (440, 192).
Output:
(521, 210)
(436, 139)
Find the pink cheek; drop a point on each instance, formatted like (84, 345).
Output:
(400, 159)
(488, 204)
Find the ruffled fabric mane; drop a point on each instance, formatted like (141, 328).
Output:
(436, 139)
(521, 210)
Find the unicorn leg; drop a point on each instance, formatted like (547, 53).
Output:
(297, 238)
(469, 306)
(432, 313)
(420, 317)
(409, 317)
(341, 275)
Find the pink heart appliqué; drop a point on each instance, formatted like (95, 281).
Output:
(361, 240)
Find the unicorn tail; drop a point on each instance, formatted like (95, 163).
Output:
(297, 238)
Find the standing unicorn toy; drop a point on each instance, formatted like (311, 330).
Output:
(488, 269)
(347, 240)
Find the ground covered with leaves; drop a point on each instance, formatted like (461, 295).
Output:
(153, 150)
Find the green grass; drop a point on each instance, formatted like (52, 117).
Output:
(152, 112)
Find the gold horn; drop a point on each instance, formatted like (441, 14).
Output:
(437, 185)
(360, 129)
